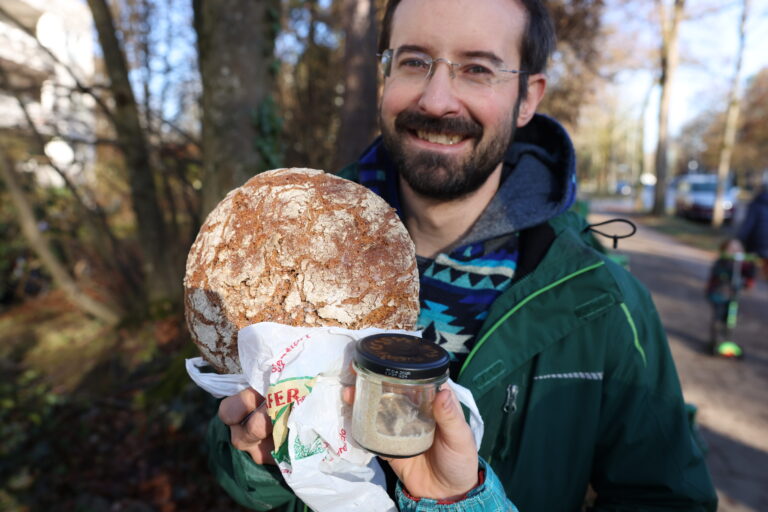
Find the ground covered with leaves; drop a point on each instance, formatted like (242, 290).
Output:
(95, 419)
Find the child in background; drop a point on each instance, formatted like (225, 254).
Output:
(731, 272)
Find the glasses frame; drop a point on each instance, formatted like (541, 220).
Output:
(387, 56)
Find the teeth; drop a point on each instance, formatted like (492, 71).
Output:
(439, 138)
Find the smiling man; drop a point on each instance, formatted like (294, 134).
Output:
(563, 351)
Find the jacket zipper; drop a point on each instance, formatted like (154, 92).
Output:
(510, 404)
(510, 408)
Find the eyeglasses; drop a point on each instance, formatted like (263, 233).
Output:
(476, 73)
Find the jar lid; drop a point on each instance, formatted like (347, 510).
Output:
(401, 356)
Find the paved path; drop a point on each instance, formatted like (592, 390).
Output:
(731, 396)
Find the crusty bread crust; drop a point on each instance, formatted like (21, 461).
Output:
(298, 247)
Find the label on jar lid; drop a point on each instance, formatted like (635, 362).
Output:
(401, 356)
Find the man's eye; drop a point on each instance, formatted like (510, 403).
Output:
(413, 63)
(477, 69)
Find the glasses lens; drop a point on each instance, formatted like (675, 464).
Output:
(478, 73)
(411, 64)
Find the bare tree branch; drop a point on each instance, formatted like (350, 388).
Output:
(42, 248)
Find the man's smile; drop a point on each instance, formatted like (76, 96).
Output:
(439, 138)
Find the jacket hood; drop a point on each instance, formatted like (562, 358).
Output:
(539, 181)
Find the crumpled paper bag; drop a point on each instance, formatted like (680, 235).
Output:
(301, 371)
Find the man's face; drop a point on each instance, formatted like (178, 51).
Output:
(446, 140)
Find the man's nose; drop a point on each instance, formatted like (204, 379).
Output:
(439, 98)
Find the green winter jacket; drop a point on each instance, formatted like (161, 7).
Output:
(576, 384)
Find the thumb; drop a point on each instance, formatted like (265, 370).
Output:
(453, 428)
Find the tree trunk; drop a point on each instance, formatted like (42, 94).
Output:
(731, 120)
(641, 161)
(235, 42)
(359, 110)
(39, 244)
(162, 277)
(669, 58)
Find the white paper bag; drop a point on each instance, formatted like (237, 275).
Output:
(301, 372)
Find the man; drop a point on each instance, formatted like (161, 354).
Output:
(563, 351)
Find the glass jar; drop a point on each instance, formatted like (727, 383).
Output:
(397, 379)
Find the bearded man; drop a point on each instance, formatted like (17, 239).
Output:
(562, 349)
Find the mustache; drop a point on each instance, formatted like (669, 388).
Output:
(409, 120)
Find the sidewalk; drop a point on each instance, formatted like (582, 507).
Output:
(731, 396)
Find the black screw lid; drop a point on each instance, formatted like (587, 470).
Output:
(401, 356)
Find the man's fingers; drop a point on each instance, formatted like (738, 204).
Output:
(249, 424)
(258, 425)
(234, 408)
(262, 454)
(260, 451)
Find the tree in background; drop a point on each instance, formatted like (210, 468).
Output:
(577, 64)
(668, 60)
(235, 42)
(311, 82)
(731, 120)
(607, 143)
(136, 252)
(358, 112)
(159, 268)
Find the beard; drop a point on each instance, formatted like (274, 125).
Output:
(438, 176)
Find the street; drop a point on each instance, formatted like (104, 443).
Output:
(730, 395)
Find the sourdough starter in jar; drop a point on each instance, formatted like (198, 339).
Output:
(397, 379)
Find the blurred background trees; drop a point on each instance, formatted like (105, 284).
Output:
(173, 104)
(125, 121)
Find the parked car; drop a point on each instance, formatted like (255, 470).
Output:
(695, 197)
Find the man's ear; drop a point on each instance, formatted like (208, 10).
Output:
(537, 85)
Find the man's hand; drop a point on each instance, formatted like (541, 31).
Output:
(449, 468)
(249, 425)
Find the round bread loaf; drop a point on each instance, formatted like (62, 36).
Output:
(298, 247)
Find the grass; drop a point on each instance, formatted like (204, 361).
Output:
(696, 234)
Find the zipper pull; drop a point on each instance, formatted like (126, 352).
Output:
(510, 407)
(510, 404)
